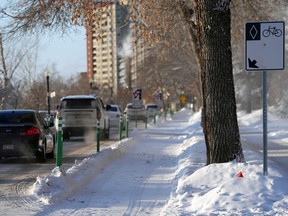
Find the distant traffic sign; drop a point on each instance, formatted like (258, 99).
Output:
(264, 46)
(137, 94)
(183, 99)
(137, 97)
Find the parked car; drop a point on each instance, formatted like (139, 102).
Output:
(80, 113)
(25, 133)
(136, 112)
(152, 109)
(114, 112)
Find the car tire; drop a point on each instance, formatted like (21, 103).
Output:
(41, 156)
(51, 155)
(107, 133)
(102, 134)
(66, 135)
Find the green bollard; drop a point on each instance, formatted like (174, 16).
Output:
(154, 118)
(59, 143)
(120, 127)
(127, 125)
(98, 136)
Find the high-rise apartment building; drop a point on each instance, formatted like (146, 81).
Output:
(139, 51)
(104, 44)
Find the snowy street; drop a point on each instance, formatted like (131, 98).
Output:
(137, 183)
(161, 171)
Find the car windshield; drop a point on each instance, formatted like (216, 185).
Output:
(16, 118)
(114, 109)
(78, 104)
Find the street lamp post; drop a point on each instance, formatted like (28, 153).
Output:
(48, 90)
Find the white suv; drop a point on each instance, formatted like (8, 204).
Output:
(136, 112)
(80, 114)
(152, 109)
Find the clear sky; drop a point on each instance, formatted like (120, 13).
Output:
(68, 53)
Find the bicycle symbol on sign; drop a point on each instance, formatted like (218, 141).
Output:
(272, 31)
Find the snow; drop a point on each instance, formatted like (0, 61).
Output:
(162, 171)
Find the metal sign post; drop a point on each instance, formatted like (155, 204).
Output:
(264, 100)
(264, 50)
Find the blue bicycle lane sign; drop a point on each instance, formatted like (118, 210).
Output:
(264, 46)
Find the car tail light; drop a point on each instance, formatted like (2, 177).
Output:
(30, 131)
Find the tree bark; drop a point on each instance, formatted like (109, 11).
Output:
(219, 104)
(3, 72)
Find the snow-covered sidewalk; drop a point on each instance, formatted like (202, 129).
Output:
(161, 171)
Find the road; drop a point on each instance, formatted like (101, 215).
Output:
(18, 174)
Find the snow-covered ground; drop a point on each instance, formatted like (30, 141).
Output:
(161, 171)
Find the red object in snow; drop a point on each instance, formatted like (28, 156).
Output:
(239, 175)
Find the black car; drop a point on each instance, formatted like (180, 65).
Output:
(25, 133)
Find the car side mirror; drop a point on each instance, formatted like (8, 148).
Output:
(51, 124)
(49, 120)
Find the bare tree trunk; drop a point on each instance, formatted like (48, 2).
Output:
(4, 74)
(219, 103)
